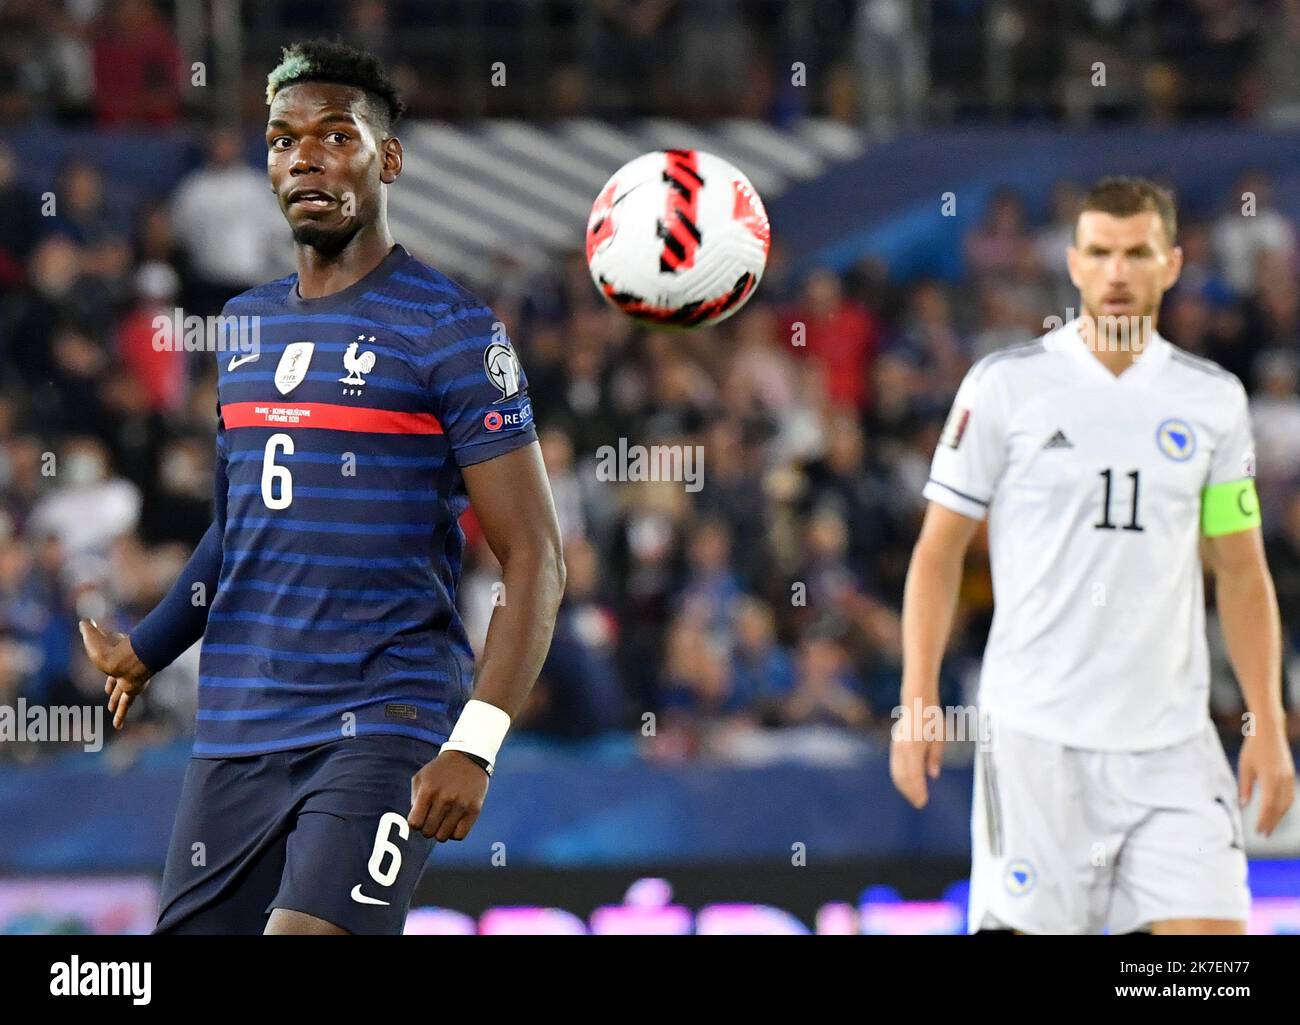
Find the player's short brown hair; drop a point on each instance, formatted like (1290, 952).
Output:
(1124, 197)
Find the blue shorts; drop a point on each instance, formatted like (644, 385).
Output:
(320, 830)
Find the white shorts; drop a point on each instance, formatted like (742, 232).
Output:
(1067, 840)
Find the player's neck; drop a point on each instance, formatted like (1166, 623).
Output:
(1116, 345)
(321, 274)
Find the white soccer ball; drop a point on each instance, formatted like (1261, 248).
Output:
(678, 238)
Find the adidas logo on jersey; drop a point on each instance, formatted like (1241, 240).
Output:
(1058, 440)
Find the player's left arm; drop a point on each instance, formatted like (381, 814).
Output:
(1248, 610)
(511, 497)
(1234, 550)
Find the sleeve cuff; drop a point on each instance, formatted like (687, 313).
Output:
(482, 451)
(958, 501)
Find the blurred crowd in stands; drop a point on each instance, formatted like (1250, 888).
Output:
(881, 63)
(770, 597)
(767, 598)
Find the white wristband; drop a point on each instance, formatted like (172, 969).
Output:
(479, 731)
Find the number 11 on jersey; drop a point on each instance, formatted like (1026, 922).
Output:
(1105, 524)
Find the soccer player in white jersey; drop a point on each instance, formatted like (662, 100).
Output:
(1108, 464)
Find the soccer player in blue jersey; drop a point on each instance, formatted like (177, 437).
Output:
(342, 725)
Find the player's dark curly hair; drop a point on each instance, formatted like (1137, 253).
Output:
(326, 60)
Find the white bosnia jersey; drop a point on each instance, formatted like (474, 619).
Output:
(1092, 486)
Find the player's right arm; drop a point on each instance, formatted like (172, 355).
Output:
(176, 622)
(968, 461)
(929, 604)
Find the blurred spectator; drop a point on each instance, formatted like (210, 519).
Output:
(828, 585)
(632, 56)
(578, 693)
(644, 565)
(89, 507)
(50, 301)
(1200, 271)
(889, 49)
(574, 392)
(481, 589)
(156, 243)
(1005, 321)
(566, 486)
(733, 497)
(758, 379)
(229, 224)
(80, 365)
(929, 339)
(1275, 311)
(1248, 227)
(680, 394)
(368, 27)
(710, 591)
(825, 689)
(45, 61)
(1211, 44)
(761, 668)
(1275, 415)
(25, 459)
(137, 66)
(1284, 563)
(150, 342)
(841, 335)
(1279, 69)
(19, 220)
(1053, 239)
(711, 56)
(35, 621)
(698, 687)
(85, 213)
(997, 245)
(842, 480)
(179, 507)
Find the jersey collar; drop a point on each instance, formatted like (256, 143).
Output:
(344, 298)
(1069, 339)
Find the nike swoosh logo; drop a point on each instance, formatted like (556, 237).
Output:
(239, 361)
(361, 898)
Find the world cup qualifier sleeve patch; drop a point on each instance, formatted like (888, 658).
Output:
(1229, 508)
(955, 428)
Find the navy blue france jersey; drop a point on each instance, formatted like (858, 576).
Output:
(341, 442)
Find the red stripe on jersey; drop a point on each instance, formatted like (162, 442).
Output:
(328, 416)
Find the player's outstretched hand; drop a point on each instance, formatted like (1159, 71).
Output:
(1266, 759)
(111, 653)
(913, 760)
(447, 797)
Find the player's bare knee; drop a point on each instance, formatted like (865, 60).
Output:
(284, 922)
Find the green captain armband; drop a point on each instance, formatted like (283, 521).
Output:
(1229, 507)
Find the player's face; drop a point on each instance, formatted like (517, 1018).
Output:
(326, 163)
(1122, 265)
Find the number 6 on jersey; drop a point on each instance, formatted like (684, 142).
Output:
(271, 472)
